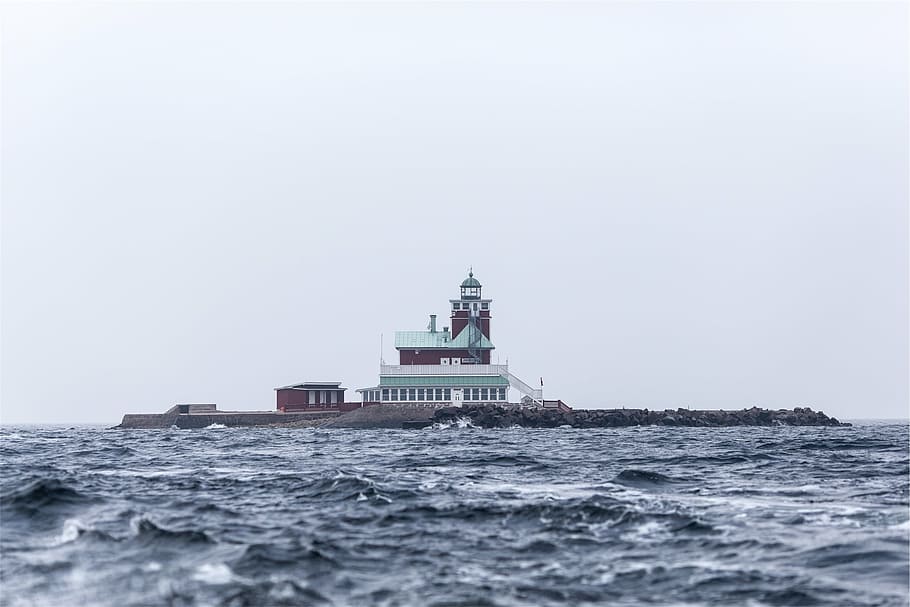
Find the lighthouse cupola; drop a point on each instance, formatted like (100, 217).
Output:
(470, 287)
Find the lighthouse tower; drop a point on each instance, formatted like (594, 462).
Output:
(471, 316)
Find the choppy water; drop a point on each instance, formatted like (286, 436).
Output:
(458, 516)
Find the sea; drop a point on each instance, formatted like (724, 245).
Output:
(455, 515)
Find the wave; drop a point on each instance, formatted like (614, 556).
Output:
(846, 444)
(215, 426)
(388, 517)
(643, 478)
(44, 498)
(283, 555)
(458, 422)
(74, 529)
(146, 531)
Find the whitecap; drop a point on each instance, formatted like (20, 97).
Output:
(71, 530)
(215, 427)
(649, 530)
(213, 573)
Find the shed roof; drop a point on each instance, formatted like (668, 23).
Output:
(314, 385)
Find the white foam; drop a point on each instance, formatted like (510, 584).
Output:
(464, 422)
(213, 573)
(71, 529)
(461, 422)
(649, 530)
(215, 427)
(175, 471)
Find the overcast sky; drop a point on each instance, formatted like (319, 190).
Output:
(671, 204)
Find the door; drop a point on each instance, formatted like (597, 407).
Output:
(457, 397)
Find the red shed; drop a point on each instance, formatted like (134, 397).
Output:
(310, 395)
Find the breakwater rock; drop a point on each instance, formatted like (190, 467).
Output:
(492, 416)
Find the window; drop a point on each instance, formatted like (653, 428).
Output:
(484, 394)
(421, 394)
(502, 394)
(456, 306)
(394, 393)
(412, 394)
(485, 305)
(447, 394)
(385, 394)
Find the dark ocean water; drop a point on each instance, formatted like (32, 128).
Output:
(456, 516)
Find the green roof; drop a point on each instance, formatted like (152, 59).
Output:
(440, 340)
(461, 342)
(422, 339)
(442, 381)
(470, 281)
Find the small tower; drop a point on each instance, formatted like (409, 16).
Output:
(471, 313)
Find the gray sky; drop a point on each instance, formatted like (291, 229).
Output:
(670, 204)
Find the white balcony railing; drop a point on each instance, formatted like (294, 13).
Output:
(444, 370)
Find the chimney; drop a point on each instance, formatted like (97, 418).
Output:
(432, 323)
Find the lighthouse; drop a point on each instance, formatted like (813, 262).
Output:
(468, 343)
(443, 367)
(471, 314)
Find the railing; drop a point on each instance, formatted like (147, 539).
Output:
(535, 393)
(444, 370)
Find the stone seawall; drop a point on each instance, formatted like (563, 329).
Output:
(148, 420)
(492, 416)
(225, 418)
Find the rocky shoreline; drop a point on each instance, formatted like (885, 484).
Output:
(491, 416)
(482, 416)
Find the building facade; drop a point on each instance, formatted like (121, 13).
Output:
(442, 368)
(312, 396)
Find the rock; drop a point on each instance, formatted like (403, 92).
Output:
(494, 416)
